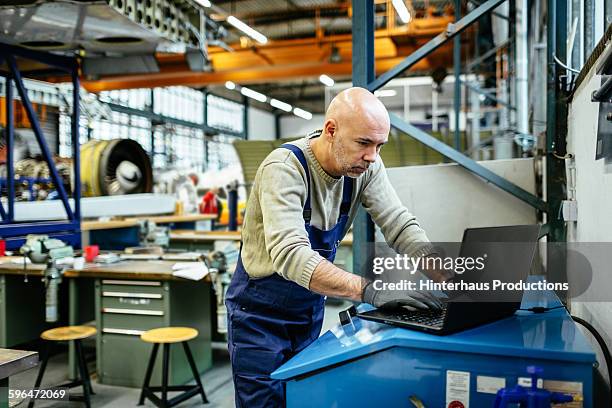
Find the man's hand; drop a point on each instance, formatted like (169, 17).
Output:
(393, 299)
(437, 274)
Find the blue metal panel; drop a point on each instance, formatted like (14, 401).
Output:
(389, 378)
(45, 227)
(468, 163)
(524, 335)
(382, 365)
(115, 239)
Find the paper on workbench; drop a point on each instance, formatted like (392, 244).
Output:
(190, 270)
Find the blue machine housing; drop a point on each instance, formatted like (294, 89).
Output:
(381, 365)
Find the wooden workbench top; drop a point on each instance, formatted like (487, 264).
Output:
(138, 270)
(7, 267)
(16, 361)
(133, 221)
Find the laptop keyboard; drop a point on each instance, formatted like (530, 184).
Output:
(433, 318)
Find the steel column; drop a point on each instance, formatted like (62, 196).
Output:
(245, 118)
(10, 144)
(457, 71)
(556, 121)
(76, 151)
(556, 133)
(363, 74)
(425, 50)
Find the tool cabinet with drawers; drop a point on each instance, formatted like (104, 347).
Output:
(127, 308)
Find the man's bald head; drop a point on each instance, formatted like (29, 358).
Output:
(356, 127)
(358, 107)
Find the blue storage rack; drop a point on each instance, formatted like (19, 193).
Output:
(68, 230)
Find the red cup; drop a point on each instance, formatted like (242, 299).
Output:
(2, 247)
(91, 251)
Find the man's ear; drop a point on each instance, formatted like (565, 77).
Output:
(330, 128)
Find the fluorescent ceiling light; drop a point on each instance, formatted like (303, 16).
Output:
(302, 113)
(327, 81)
(251, 32)
(203, 3)
(385, 93)
(253, 94)
(280, 105)
(230, 85)
(402, 10)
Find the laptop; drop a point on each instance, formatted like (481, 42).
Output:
(510, 251)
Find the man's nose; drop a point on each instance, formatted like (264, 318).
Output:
(370, 154)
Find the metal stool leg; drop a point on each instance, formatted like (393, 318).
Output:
(148, 374)
(196, 374)
(84, 361)
(165, 369)
(43, 366)
(84, 373)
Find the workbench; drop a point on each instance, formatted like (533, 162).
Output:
(13, 362)
(367, 364)
(117, 234)
(134, 221)
(130, 297)
(190, 240)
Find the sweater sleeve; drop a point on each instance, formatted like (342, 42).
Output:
(400, 228)
(282, 195)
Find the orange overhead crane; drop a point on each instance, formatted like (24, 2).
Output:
(291, 59)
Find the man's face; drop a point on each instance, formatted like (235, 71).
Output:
(354, 150)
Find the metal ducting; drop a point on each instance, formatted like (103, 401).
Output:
(115, 167)
(103, 28)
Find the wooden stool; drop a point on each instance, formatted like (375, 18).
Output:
(69, 333)
(167, 336)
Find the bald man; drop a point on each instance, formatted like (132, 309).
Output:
(304, 198)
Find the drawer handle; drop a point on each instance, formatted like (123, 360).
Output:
(133, 311)
(130, 282)
(133, 295)
(123, 331)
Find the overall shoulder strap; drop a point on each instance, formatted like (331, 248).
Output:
(347, 195)
(307, 212)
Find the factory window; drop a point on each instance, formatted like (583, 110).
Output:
(221, 153)
(169, 144)
(224, 114)
(132, 98)
(119, 126)
(179, 102)
(179, 147)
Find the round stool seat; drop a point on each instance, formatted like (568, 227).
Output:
(67, 333)
(169, 335)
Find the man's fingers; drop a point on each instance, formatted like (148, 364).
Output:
(413, 303)
(429, 299)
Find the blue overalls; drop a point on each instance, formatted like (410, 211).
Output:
(272, 319)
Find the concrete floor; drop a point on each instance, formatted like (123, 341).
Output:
(217, 381)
